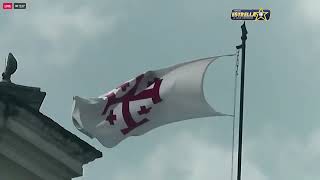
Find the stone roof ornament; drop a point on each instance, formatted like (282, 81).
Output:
(31, 96)
(11, 67)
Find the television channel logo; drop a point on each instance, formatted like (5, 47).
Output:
(251, 14)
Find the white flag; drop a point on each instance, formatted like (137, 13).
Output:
(150, 100)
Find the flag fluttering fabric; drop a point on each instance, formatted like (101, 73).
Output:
(150, 100)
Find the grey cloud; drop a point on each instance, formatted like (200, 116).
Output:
(288, 157)
(186, 157)
(54, 32)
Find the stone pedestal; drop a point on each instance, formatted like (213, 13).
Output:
(33, 146)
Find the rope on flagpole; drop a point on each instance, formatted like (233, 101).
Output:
(234, 111)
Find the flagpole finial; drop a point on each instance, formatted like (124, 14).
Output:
(244, 31)
(11, 67)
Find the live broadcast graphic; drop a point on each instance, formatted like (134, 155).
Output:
(13, 5)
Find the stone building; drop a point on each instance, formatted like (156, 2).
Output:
(33, 146)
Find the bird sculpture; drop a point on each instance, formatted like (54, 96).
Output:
(11, 67)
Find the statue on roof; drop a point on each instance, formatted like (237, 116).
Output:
(11, 67)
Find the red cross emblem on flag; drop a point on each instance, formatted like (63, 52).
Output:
(130, 96)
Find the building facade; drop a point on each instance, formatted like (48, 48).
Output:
(33, 146)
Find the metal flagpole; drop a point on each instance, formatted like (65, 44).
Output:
(243, 55)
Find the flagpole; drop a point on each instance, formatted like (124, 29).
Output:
(243, 55)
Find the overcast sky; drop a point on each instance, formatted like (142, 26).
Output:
(86, 48)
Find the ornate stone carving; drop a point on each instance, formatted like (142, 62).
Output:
(11, 67)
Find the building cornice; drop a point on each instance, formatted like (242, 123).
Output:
(51, 131)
